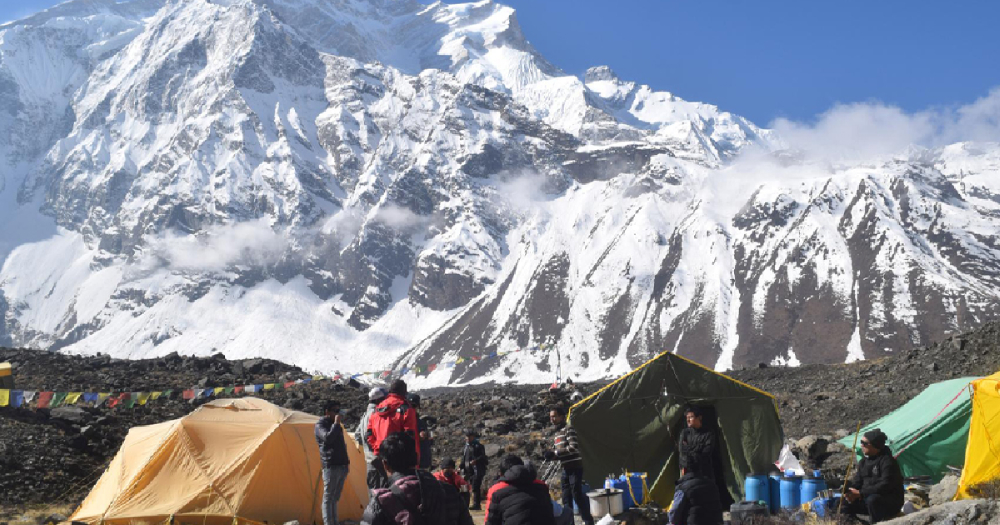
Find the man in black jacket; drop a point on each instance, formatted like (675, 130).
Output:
(518, 498)
(696, 497)
(473, 465)
(336, 464)
(877, 487)
(700, 439)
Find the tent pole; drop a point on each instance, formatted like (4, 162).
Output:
(847, 476)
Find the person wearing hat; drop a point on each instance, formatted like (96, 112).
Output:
(374, 475)
(449, 475)
(877, 486)
(473, 464)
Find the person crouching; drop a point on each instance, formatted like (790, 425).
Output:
(518, 498)
(877, 487)
(696, 496)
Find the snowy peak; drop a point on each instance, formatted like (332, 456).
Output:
(386, 184)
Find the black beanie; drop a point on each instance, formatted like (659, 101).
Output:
(876, 437)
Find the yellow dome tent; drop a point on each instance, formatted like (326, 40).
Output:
(982, 454)
(231, 462)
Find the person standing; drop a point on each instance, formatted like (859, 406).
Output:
(473, 465)
(567, 451)
(426, 436)
(333, 453)
(877, 486)
(700, 440)
(375, 477)
(394, 414)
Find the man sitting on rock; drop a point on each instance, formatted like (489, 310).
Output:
(518, 498)
(696, 496)
(449, 475)
(877, 487)
(414, 496)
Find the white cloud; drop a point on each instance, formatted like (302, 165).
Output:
(218, 247)
(867, 131)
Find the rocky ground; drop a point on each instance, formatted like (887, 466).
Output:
(55, 455)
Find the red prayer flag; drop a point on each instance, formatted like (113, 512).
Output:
(188, 394)
(44, 398)
(290, 384)
(475, 358)
(238, 390)
(336, 377)
(432, 367)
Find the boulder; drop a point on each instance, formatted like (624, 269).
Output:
(966, 512)
(945, 490)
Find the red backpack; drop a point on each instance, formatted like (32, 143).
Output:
(392, 415)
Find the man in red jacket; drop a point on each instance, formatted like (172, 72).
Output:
(392, 415)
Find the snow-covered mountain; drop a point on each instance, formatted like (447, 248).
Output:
(370, 184)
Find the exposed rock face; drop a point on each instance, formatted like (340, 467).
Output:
(388, 184)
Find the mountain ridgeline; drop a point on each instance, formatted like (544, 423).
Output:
(378, 184)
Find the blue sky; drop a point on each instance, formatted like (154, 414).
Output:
(766, 59)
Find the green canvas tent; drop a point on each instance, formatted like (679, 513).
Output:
(930, 431)
(634, 423)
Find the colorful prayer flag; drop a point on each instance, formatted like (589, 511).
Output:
(4, 397)
(16, 398)
(143, 398)
(29, 396)
(155, 395)
(220, 390)
(188, 394)
(44, 399)
(72, 398)
(289, 384)
(57, 399)
(432, 368)
(102, 397)
(269, 386)
(238, 390)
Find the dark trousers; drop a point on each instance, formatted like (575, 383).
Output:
(376, 476)
(476, 477)
(877, 507)
(572, 490)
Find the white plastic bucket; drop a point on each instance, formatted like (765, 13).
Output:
(606, 501)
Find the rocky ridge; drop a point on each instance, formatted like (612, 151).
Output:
(47, 453)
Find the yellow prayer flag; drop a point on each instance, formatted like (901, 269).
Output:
(155, 395)
(319, 378)
(219, 390)
(269, 386)
(72, 398)
(143, 397)
(460, 360)
(4, 397)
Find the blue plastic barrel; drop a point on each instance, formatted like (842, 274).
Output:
(633, 487)
(774, 487)
(811, 488)
(756, 488)
(791, 490)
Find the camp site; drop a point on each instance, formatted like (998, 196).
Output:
(245, 453)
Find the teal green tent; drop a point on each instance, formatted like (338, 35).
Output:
(929, 432)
